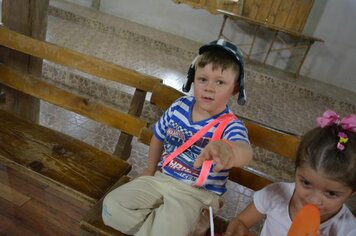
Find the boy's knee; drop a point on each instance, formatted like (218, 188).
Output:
(106, 214)
(119, 217)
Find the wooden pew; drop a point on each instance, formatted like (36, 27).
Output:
(60, 160)
(91, 65)
(66, 164)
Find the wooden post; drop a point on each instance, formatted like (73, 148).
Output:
(123, 146)
(95, 4)
(222, 26)
(28, 17)
(270, 46)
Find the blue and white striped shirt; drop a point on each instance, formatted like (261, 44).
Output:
(175, 127)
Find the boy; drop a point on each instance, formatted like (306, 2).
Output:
(165, 199)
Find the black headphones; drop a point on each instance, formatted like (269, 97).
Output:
(233, 51)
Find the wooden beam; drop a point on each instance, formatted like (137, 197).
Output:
(28, 18)
(76, 60)
(28, 84)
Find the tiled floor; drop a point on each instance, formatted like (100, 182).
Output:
(275, 98)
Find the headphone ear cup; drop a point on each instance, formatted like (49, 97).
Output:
(190, 76)
(190, 79)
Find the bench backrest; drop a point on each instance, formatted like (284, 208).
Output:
(83, 105)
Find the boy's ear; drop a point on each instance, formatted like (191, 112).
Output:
(236, 89)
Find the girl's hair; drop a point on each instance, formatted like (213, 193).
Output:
(219, 59)
(318, 149)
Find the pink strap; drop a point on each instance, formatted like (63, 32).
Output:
(205, 170)
(224, 121)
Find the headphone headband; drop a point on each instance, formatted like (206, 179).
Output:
(231, 50)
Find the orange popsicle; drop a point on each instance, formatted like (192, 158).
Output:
(306, 222)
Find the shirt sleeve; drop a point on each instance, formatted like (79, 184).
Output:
(236, 131)
(160, 127)
(273, 196)
(259, 200)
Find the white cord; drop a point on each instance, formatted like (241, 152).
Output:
(211, 221)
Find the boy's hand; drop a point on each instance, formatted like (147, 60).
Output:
(220, 152)
(148, 172)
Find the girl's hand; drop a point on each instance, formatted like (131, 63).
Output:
(220, 152)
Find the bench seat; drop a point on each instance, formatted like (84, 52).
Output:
(92, 223)
(58, 160)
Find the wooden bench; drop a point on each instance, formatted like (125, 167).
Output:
(77, 168)
(56, 159)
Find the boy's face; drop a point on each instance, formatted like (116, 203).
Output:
(213, 88)
(313, 187)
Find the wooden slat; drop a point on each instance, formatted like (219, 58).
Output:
(12, 195)
(39, 191)
(22, 82)
(58, 160)
(76, 60)
(249, 178)
(280, 142)
(28, 220)
(282, 13)
(273, 11)
(12, 227)
(163, 96)
(263, 11)
(51, 216)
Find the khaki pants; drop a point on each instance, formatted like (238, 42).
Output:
(156, 205)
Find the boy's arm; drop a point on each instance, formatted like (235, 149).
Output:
(241, 224)
(154, 155)
(225, 154)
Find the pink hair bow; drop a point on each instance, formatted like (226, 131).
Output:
(330, 117)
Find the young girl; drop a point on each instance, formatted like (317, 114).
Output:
(325, 176)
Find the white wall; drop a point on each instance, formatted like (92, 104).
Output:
(167, 16)
(334, 61)
(331, 62)
(85, 3)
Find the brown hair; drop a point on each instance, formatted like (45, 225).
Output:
(318, 150)
(219, 59)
